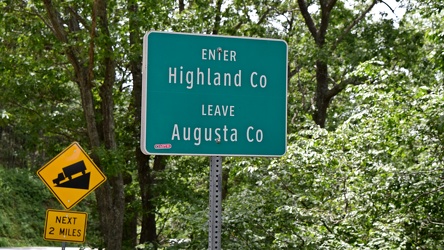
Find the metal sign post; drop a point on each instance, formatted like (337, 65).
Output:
(201, 89)
(215, 218)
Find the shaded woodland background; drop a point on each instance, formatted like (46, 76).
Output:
(364, 163)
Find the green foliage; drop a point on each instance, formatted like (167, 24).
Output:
(370, 184)
(183, 201)
(371, 180)
(42, 116)
(23, 206)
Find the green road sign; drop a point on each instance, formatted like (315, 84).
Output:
(213, 95)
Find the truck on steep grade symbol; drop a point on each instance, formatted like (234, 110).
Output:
(69, 171)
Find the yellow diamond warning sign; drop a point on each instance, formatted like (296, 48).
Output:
(71, 175)
(65, 226)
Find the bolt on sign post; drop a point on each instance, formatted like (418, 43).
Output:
(65, 226)
(71, 175)
(213, 95)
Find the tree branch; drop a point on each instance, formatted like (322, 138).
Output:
(78, 17)
(218, 17)
(425, 194)
(353, 24)
(339, 87)
(326, 226)
(92, 34)
(326, 8)
(56, 25)
(56, 21)
(48, 24)
(393, 11)
(264, 16)
(106, 89)
(307, 17)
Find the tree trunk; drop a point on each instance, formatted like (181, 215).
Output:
(323, 94)
(110, 203)
(110, 195)
(321, 99)
(181, 6)
(218, 17)
(129, 237)
(149, 227)
(110, 198)
(147, 182)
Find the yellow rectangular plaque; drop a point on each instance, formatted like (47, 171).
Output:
(65, 226)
